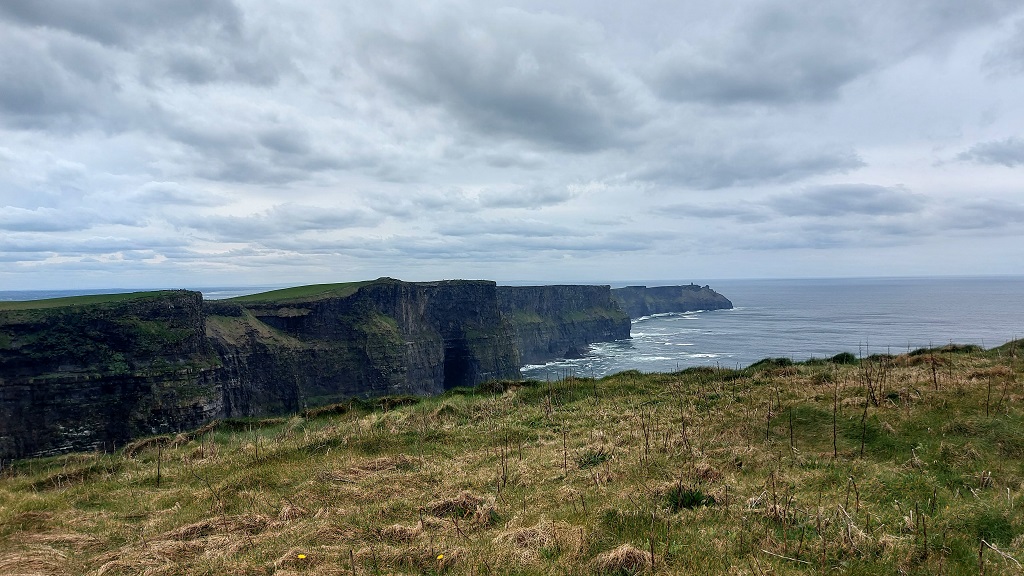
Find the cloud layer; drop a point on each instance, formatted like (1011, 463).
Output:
(173, 143)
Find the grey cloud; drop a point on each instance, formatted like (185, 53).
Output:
(207, 64)
(116, 22)
(74, 246)
(801, 51)
(37, 90)
(420, 203)
(848, 199)
(536, 196)
(84, 65)
(261, 166)
(834, 234)
(283, 219)
(741, 212)
(174, 194)
(252, 151)
(14, 219)
(983, 215)
(1008, 152)
(746, 166)
(1008, 55)
(285, 141)
(528, 76)
(509, 227)
(778, 53)
(514, 248)
(509, 241)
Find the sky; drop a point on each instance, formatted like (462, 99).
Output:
(187, 143)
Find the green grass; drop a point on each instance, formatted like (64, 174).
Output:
(708, 471)
(303, 293)
(79, 300)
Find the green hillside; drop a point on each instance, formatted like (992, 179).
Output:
(77, 300)
(300, 293)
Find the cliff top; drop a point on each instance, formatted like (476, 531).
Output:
(305, 293)
(81, 300)
(314, 292)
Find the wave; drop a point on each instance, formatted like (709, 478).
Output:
(688, 315)
(648, 317)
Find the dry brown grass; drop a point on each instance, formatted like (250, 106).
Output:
(498, 482)
(34, 560)
(626, 558)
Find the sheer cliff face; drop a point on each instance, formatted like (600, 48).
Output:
(92, 376)
(561, 321)
(640, 301)
(389, 337)
(96, 376)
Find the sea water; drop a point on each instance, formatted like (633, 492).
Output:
(802, 319)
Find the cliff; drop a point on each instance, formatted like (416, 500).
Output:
(560, 321)
(95, 375)
(83, 377)
(95, 372)
(385, 337)
(638, 301)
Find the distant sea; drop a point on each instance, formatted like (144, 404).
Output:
(796, 319)
(208, 293)
(802, 319)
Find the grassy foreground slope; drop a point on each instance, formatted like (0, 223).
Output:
(908, 464)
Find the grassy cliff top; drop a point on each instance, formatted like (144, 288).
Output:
(908, 464)
(81, 300)
(304, 293)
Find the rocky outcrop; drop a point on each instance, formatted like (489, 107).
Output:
(561, 321)
(638, 301)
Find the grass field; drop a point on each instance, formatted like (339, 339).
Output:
(299, 293)
(909, 464)
(78, 300)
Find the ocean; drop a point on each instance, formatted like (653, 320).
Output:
(796, 319)
(803, 319)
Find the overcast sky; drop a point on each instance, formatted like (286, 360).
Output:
(183, 143)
